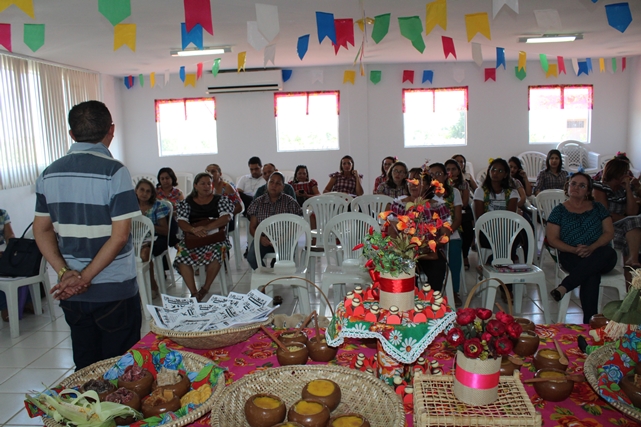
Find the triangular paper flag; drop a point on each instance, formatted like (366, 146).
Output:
(194, 36)
(141, 80)
(198, 12)
(215, 68)
(270, 55)
(408, 76)
(477, 23)
(619, 15)
(548, 19)
(614, 65)
(544, 62)
(199, 70)
(303, 44)
(25, 5)
(287, 74)
(428, 75)
(589, 62)
(268, 22)
(375, 76)
(242, 59)
(190, 80)
(34, 36)
(519, 73)
(325, 25)
(114, 10)
(125, 34)
(458, 74)
(522, 61)
(349, 76)
(412, 29)
(552, 71)
(583, 68)
(500, 57)
(561, 63)
(490, 74)
(477, 54)
(435, 14)
(575, 65)
(344, 33)
(254, 37)
(381, 27)
(181, 73)
(498, 4)
(624, 61)
(152, 80)
(317, 76)
(448, 46)
(129, 82)
(601, 65)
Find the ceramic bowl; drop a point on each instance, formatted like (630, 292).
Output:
(134, 403)
(319, 351)
(507, 367)
(526, 324)
(348, 420)
(179, 389)
(290, 336)
(99, 384)
(553, 391)
(527, 343)
(297, 357)
(142, 386)
(548, 358)
(325, 391)
(288, 424)
(632, 390)
(151, 409)
(309, 413)
(264, 410)
(598, 321)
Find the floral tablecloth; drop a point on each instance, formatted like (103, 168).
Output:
(582, 408)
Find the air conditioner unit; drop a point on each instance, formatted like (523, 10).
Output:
(247, 81)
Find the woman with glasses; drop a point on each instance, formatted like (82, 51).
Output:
(395, 186)
(581, 230)
(385, 165)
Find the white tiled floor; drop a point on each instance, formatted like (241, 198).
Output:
(42, 352)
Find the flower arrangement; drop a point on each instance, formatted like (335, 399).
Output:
(478, 335)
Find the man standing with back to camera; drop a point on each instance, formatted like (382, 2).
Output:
(84, 205)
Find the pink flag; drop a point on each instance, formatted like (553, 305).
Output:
(561, 64)
(623, 63)
(448, 46)
(198, 12)
(344, 33)
(5, 36)
(408, 76)
(490, 74)
(199, 70)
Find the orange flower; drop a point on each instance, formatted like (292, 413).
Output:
(431, 229)
(413, 181)
(432, 245)
(417, 241)
(444, 239)
(403, 218)
(447, 225)
(401, 226)
(436, 216)
(384, 215)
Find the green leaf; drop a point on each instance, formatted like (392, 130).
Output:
(138, 357)
(592, 409)
(204, 372)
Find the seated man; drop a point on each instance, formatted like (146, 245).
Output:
(248, 184)
(273, 202)
(268, 170)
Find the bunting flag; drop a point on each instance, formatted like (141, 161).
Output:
(34, 36)
(141, 80)
(614, 65)
(303, 44)
(115, 11)
(325, 25)
(268, 22)
(619, 16)
(408, 76)
(269, 55)
(477, 54)
(544, 62)
(435, 14)
(25, 5)
(375, 76)
(181, 73)
(601, 65)
(5, 36)
(129, 82)
(522, 61)
(490, 74)
(317, 76)
(477, 23)
(520, 73)
(199, 70)
(427, 75)
(412, 29)
(125, 34)
(552, 71)
(166, 79)
(498, 5)
(561, 64)
(198, 12)
(152, 80)
(190, 80)
(254, 36)
(349, 76)
(344, 33)
(589, 62)
(242, 60)
(194, 36)
(215, 68)
(448, 46)
(624, 62)
(381, 27)
(500, 57)
(575, 65)
(583, 68)
(287, 74)
(458, 74)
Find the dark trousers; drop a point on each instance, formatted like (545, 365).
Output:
(251, 255)
(467, 236)
(100, 330)
(247, 200)
(435, 271)
(586, 273)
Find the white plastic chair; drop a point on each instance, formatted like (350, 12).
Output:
(347, 197)
(235, 235)
(147, 176)
(546, 201)
(575, 154)
(371, 204)
(142, 232)
(10, 286)
(533, 162)
(158, 260)
(349, 229)
(481, 177)
(185, 181)
(228, 178)
(288, 175)
(501, 229)
(224, 275)
(284, 232)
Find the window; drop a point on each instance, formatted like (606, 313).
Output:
(433, 117)
(186, 126)
(307, 121)
(559, 113)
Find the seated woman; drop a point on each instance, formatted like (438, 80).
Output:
(395, 185)
(615, 193)
(522, 185)
(460, 159)
(167, 188)
(158, 214)
(581, 230)
(385, 165)
(456, 180)
(304, 187)
(202, 204)
(224, 188)
(6, 233)
(347, 180)
(553, 177)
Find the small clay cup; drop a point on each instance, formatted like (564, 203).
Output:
(598, 321)
(142, 387)
(319, 351)
(507, 367)
(631, 389)
(134, 403)
(101, 396)
(331, 401)
(298, 357)
(264, 417)
(318, 419)
(289, 424)
(179, 389)
(364, 422)
(548, 358)
(526, 324)
(553, 391)
(300, 337)
(151, 411)
(527, 343)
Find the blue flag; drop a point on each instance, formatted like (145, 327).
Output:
(619, 15)
(583, 68)
(428, 75)
(303, 44)
(326, 28)
(287, 74)
(194, 36)
(500, 57)
(182, 73)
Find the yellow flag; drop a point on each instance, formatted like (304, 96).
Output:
(125, 34)
(477, 23)
(552, 71)
(349, 76)
(152, 79)
(25, 5)
(436, 14)
(190, 79)
(601, 65)
(242, 58)
(522, 61)
(361, 24)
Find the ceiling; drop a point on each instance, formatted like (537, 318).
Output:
(78, 35)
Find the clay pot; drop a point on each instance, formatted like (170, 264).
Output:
(325, 391)
(134, 403)
(631, 389)
(309, 413)
(264, 410)
(298, 357)
(547, 358)
(142, 387)
(526, 324)
(598, 321)
(348, 420)
(319, 351)
(527, 344)
(507, 367)
(171, 405)
(288, 424)
(179, 389)
(290, 336)
(106, 384)
(553, 391)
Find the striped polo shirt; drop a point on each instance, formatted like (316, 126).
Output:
(82, 193)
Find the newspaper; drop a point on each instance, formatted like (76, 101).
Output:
(219, 312)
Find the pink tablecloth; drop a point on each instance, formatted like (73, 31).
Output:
(582, 408)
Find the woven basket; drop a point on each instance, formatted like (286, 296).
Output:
(361, 393)
(211, 339)
(192, 362)
(595, 360)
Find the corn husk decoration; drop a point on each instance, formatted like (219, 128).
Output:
(624, 316)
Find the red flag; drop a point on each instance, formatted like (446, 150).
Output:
(561, 64)
(199, 70)
(408, 76)
(344, 33)
(448, 46)
(490, 74)
(198, 12)
(5, 36)
(623, 63)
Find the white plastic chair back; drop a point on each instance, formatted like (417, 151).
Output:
(288, 175)
(547, 200)
(533, 162)
(185, 181)
(371, 204)
(576, 154)
(347, 197)
(235, 235)
(283, 231)
(324, 208)
(501, 229)
(349, 229)
(142, 231)
(147, 176)
(481, 177)
(228, 178)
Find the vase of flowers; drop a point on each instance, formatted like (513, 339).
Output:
(481, 340)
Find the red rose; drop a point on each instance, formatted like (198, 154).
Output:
(465, 316)
(503, 346)
(486, 336)
(514, 330)
(483, 313)
(472, 348)
(504, 317)
(495, 327)
(455, 337)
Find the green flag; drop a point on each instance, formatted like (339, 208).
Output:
(544, 62)
(115, 10)
(412, 29)
(34, 36)
(520, 74)
(375, 76)
(215, 67)
(381, 27)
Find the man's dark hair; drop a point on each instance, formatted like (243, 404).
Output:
(255, 161)
(90, 121)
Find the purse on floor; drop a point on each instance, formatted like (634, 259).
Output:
(193, 242)
(21, 258)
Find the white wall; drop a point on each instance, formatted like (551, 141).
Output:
(634, 116)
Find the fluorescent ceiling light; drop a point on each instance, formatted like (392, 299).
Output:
(212, 50)
(551, 38)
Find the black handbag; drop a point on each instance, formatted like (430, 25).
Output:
(21, 258)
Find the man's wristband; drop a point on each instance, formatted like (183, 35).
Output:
(62, 271)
